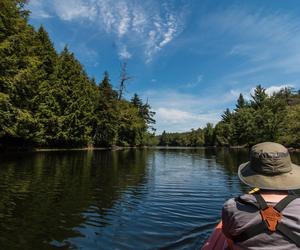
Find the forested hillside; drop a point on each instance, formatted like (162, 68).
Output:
(262, 118)
(48, 100)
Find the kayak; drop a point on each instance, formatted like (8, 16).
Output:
(217, 240)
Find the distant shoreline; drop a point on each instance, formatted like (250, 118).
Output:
(114, 148)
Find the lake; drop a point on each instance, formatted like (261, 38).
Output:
(124, 199)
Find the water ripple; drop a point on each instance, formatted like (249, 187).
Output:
(134, 199)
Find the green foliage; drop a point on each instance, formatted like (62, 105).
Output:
(47, 99)
(7, 116)
(131, 125)
(265, 118)
(106, 112)
(241, 103)
(209, 135)
(290, 131)
(194, 138)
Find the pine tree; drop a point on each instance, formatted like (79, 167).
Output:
(132, 127)
(145, 111)
(227, 116)
(137, 101)
(69, 106)
(164, 140)
(18, 70)
(209, 135)
(106, 128)
(258, 97)
(241, 103)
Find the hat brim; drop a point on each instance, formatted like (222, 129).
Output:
(286, 181)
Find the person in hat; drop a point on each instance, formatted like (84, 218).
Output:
(270, 217)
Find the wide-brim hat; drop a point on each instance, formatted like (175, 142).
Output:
(270, 167)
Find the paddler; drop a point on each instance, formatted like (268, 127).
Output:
(270, 217)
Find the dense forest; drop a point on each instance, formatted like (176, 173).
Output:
(48, 100)
(264, 117)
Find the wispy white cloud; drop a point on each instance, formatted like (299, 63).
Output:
(176, 111)
(194, 83)
(145, 25)
(38, 9)
(69, 10)
(273, 89)
(259, 44)
(177, 120)
(264, 40)
(123, 53)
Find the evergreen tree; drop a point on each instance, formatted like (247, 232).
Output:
(46, 53)
(290, 129)
(18, 71)
(227, 116)
(132, 127)
(209, 135)
(164, 139)
(137, 101)
(7, 117)
(69, 106)
(241, 103)
(106, 129)
(258, 97)
(145, 111)
(244, 128)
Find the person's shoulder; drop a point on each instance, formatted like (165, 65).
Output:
(240, 199)
(243, 200)
(230, 203)
(296, 202)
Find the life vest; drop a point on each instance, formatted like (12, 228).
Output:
(271, 220)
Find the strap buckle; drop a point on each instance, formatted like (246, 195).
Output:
(271, 217)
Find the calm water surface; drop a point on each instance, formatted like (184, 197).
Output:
(127, 199)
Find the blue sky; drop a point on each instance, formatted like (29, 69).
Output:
(189, 58)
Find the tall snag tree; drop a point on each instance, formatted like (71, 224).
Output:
(124, 77)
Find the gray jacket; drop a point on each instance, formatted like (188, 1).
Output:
(238, 216)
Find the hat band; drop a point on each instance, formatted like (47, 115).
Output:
(268, 168)
(270, 155)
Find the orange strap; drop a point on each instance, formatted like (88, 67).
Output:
(272, 217)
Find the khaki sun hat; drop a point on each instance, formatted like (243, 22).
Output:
(270, 167)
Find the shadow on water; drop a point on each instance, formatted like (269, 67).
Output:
(43, 195)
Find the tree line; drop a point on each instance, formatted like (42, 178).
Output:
(264, 117)
(48, 100)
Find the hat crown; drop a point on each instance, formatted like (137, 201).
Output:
(270, 158)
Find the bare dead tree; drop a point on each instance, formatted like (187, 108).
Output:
(123, 79)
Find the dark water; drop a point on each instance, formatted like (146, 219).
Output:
(129, 199)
